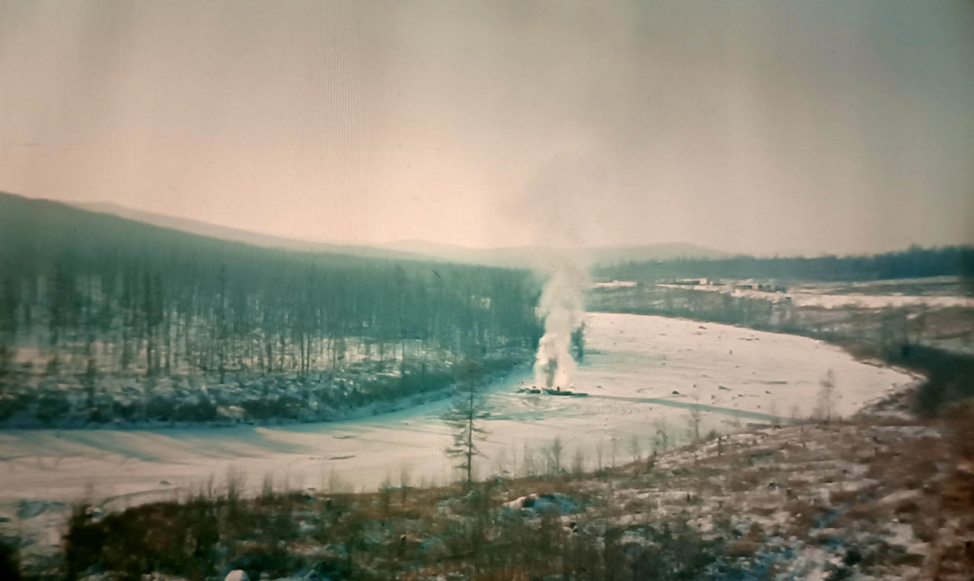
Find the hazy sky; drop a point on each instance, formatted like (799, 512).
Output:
(757, 126)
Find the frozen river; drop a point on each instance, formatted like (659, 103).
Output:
(644, 375)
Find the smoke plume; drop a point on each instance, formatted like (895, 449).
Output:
(562, 207)
(562, 306)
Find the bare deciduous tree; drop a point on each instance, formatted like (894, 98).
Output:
(554, 456)
(662, 439)
(826, 394)
(466, 411)
(634, 448)
(578, 462)
(405, 480)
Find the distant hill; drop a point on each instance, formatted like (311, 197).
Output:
(528, 256)
(658, 252)
(512, 257)
(245, 236)
(39, 230)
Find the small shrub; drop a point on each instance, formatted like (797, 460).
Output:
(274, 561)
(202, 411)
(160, 408)
(50, 407)
(9, 563)
(9, 405)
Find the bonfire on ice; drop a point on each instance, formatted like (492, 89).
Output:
(562, 307)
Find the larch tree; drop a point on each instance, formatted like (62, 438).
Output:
(467, 409)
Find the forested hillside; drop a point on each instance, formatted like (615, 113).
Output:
(915, 262)
(91, 301)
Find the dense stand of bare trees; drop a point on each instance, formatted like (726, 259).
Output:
(282, 314)
(91, 294)
(257, 313)
(916, 262)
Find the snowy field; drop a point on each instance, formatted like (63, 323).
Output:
(864, 295)
(643, 374)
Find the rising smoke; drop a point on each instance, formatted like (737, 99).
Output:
(562, 206)
(562, 306)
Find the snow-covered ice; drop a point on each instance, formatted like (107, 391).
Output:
(807, 299)
(643, 375)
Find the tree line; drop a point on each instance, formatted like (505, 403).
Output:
(915, 262)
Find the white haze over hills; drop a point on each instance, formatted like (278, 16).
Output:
(526, 255)
(515, 257)
(237, 235)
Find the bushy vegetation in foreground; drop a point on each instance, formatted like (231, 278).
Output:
(872, 497)
(950, 376)
(395, 533)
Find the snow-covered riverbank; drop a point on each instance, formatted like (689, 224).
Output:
(643, 374)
